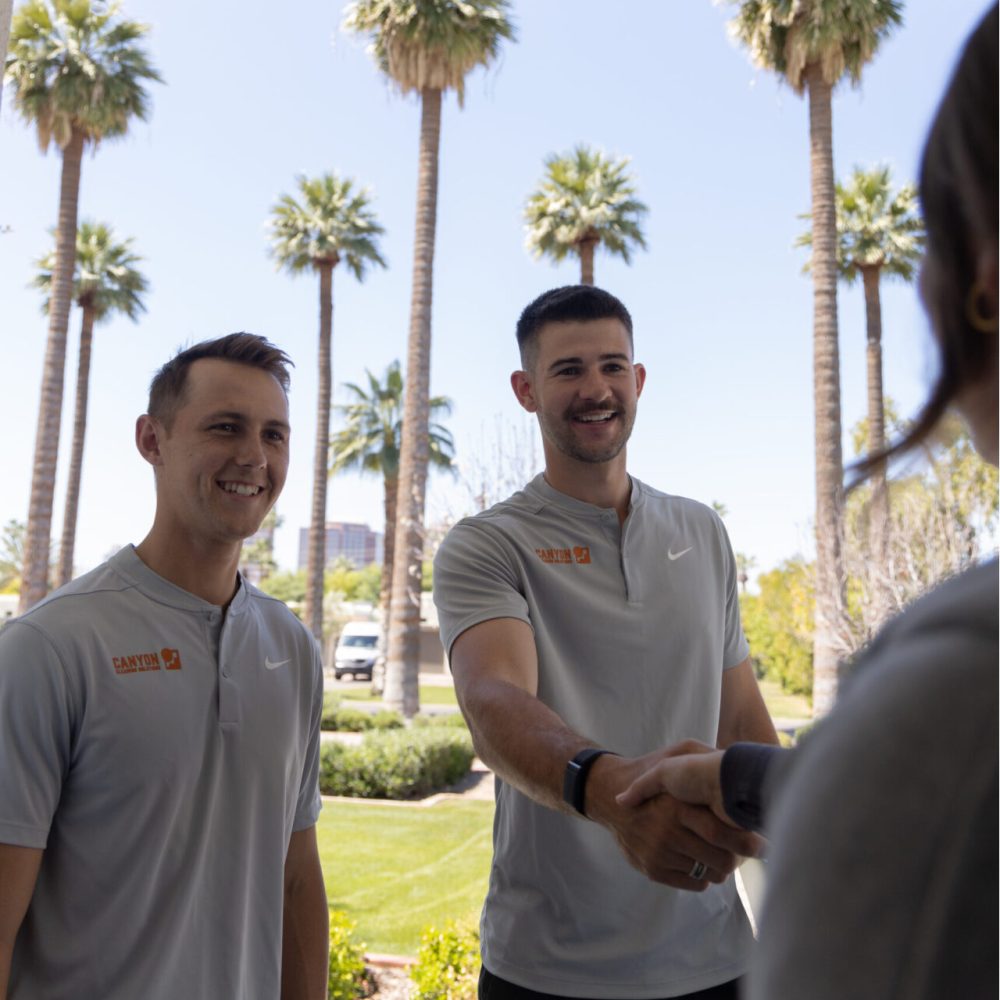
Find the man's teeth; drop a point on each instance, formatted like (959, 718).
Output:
(243, 489)
(590, 418)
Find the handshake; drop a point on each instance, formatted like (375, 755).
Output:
(666, 812)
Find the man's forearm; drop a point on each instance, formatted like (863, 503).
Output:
(305, 945)
(521, 739)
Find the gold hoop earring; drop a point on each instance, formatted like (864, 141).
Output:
(979, 319)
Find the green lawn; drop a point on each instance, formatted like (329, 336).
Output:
(430, 694)
(397, 869)
(782, 705)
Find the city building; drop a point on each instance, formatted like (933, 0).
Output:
(355, 542)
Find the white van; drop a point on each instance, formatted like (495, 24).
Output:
(357, 650)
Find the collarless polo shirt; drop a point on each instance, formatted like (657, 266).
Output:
(162, 751)
(634, 626)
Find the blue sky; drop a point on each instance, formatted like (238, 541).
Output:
(256, 95)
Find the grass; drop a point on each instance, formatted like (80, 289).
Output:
(430, 694)
(398, 869)
(783, 705)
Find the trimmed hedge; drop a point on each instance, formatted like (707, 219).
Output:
(345, 719)
(396, 764)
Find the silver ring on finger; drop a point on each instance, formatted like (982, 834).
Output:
(698, 870)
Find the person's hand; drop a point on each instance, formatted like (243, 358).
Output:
(690, 774)
(668, 840)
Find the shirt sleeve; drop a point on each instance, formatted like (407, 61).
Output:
(744, 777)
(475, 579)
(35, 734)
(310, 802)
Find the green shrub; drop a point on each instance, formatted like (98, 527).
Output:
(352, 720)
(447, 964)
(446, 720)
(396, 764)
(347, 979)
(386, 718)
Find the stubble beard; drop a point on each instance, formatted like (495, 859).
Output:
(563, 437)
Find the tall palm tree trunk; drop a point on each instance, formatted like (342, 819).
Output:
(68, 542)
(389, 501)
(6, 14)
(403, 661)
(316, 563)
(826, 389)
(35, 579)
(880, 523)
(587, 247)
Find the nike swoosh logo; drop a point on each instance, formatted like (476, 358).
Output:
(271, 665)
(671, 555)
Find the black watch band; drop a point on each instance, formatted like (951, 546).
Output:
(575, 776)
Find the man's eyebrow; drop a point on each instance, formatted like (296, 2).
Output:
(236, 415)
(614, 356)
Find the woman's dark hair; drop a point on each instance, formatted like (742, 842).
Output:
(958, 195)
(166, 391)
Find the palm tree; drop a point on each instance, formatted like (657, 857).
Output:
(744, 564)
(369, 442)
(78, 75)
(333, 222)
(424, 47)
(812, 44)
(6, 12)
(106, 283)
(585, 200)
(878, 233)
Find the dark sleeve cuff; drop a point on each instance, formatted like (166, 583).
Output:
(742, 776)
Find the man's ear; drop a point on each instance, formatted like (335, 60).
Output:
(520, 382)
(149, 434)
(640, 378)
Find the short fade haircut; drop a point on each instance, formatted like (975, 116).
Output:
(166, 391)
(571, 303)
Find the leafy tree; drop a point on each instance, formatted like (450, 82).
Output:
(585, 200)
(78, 75)
(812, 44)
(257, 554)
(106, 282)
(424, 47)
(11, 556)
(944, 519)
(369, 443)
(779, 623)
(354, 584)
(878, 233)
(289, 586)
(332, 222)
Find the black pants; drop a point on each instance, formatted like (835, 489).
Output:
(494, 988)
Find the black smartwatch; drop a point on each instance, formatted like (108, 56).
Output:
(575, 778)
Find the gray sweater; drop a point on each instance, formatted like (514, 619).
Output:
(882, 877)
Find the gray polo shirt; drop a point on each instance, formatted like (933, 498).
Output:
(162, 753)
(634, 627)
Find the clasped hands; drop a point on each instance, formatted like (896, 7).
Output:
(665, 810)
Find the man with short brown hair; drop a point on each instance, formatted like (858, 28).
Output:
(159, 731)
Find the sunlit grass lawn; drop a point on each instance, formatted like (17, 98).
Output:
(783, 705)
(430, 694)
(397, 869)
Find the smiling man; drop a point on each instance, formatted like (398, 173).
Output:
(591, 622)
(159, 731)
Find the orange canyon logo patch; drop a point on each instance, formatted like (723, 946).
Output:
(577, 554)
(140, 663)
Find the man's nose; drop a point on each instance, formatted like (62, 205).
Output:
(594, 386)
(251, 453)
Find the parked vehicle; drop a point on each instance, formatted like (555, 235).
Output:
(357, 651)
